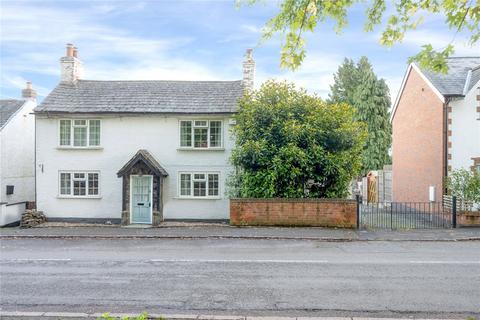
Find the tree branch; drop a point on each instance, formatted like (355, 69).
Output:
(302, 24)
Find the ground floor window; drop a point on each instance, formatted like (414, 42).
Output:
(79, 184)
(199, 184)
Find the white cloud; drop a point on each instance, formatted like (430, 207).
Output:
(315, 75)
(440, 40)
(251, 28)
(19, 83)
(36, 40)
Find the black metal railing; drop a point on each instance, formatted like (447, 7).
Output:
(405, 215)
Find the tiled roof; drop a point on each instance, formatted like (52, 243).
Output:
(88, 96)
(453, 83)
(8, 108)
(475, 77)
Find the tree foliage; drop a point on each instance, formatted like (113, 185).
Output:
(357, 85)
(297, 16)
(291, 144)
(372, 102)
(346, 80)
(465, 185)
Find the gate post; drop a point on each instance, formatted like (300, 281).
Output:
(359, 200)
(391, 217)
(454, 211)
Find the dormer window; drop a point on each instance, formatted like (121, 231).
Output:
(79, 133)
(201, 134)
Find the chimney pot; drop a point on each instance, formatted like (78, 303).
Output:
(29, 92)
(70, 50)
(71, 67)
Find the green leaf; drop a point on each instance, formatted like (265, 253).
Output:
(296, 17)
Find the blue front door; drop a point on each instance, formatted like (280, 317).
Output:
(141, 199)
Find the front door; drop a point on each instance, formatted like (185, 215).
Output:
(141, 199)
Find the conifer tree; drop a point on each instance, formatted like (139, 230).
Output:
(358, 86)
(345, 83)
(372, 104)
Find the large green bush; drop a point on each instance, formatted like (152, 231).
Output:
(291, 144)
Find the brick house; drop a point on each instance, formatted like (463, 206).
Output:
(436, 128)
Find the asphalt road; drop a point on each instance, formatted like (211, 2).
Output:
(255, 277)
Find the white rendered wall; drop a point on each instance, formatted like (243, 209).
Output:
(465, 130)
(17, 145)
(11, 213)
(121, 138)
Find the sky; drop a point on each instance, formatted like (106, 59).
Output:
(187, 40)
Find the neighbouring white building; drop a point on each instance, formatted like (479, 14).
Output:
(17, 153)
(135, 151)
(463, 127)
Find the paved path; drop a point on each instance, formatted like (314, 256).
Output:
(254, 277)
(225, 231)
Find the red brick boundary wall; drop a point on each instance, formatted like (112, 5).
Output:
(294, 212)
(468, 219)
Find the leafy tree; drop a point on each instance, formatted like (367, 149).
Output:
(357, 85)
(465, 185)
(297, 16)
(291, 144)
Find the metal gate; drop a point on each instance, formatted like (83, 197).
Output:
(405, 215)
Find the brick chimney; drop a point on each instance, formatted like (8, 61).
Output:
(248, 70)
(28, 92)
(71, 66)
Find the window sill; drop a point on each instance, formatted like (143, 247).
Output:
(200, 149)
(198, 198)
(79, 197)
(79, 148)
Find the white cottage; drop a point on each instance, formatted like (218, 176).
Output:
(135, 151)
(17, 147)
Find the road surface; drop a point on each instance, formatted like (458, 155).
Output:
(254, 277)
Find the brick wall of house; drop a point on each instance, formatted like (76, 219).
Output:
(418, 147)
(293, 212)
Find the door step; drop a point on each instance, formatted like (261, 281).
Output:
(138, 226)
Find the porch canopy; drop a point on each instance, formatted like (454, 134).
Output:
(143, 163)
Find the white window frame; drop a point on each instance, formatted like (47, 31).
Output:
(72, 178)
(72, 126)
(193, 126)
(192, 180)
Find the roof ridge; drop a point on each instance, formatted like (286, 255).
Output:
(475, 68)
